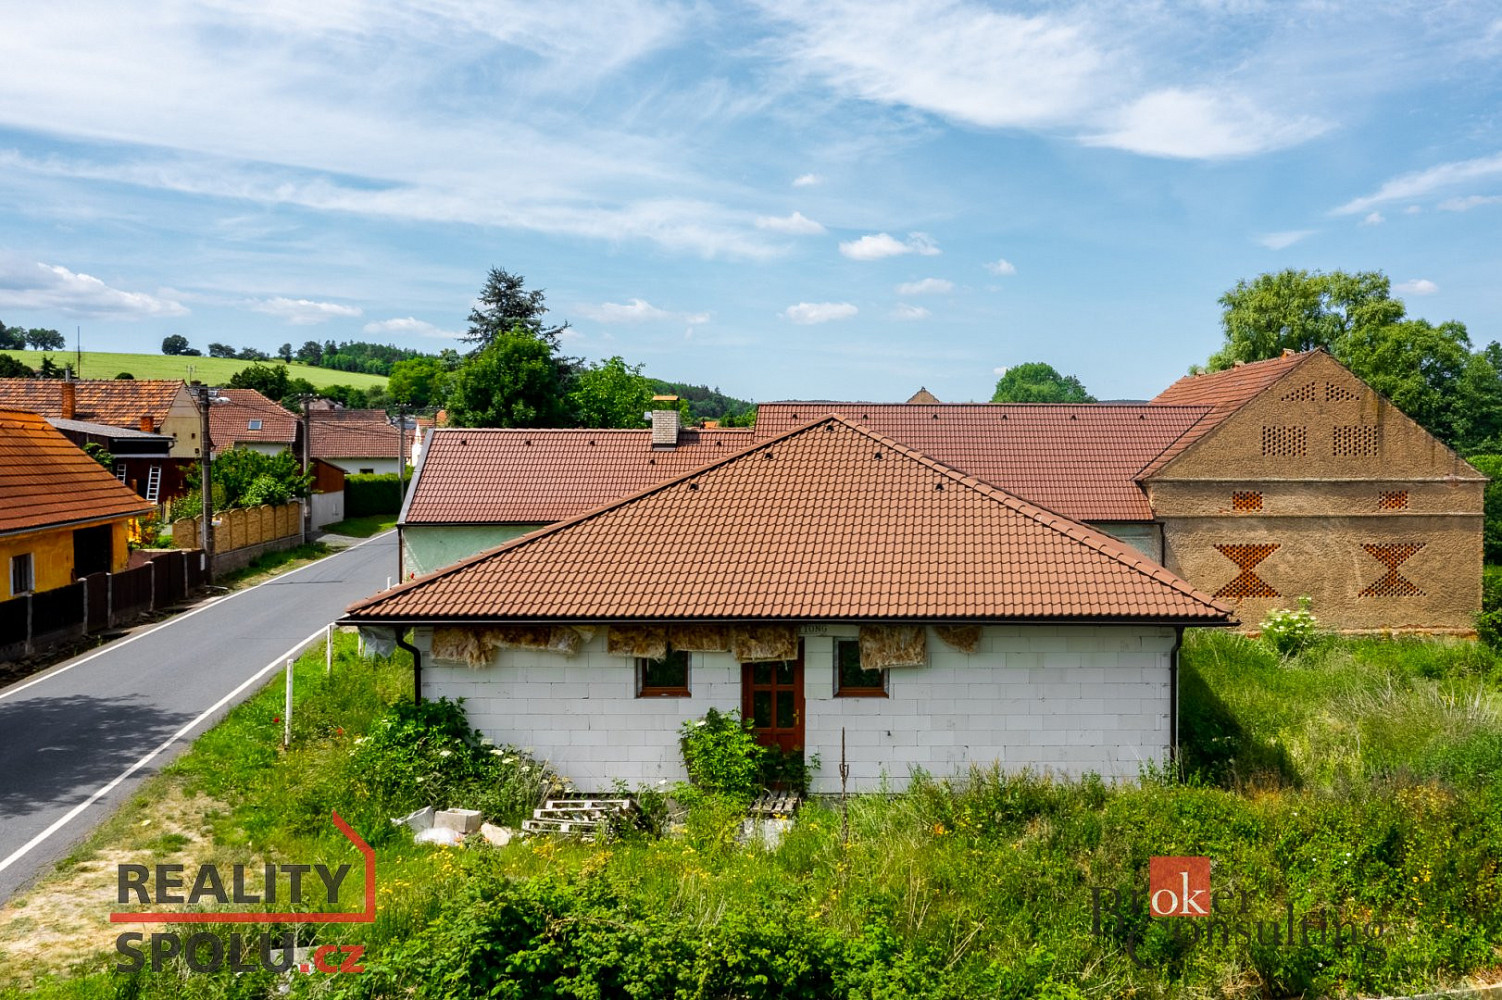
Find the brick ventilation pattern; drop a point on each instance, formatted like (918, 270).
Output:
(1303, 394)
(1393, 500)
(1247, 583)
(1287, 441)
(1246, 500)
(1338, 393)
(1392, 583)
(1358, 441)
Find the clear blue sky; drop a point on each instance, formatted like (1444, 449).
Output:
(784, 199)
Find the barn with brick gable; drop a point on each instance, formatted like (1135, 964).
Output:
(827, 580)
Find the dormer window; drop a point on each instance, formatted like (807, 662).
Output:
(254, 425)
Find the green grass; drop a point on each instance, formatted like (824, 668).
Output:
(976, 886)
(268, 564)
(362, 527)
(214, 371)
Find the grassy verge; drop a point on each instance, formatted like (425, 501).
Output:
(1327, 784)
(362, 527)
(269, 564)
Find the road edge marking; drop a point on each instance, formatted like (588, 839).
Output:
(22, 685)
(69, 816)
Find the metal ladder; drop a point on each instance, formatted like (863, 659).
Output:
(154, 483)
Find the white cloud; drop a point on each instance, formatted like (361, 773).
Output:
(1001, 266)
(1425, 182)
(808, 313)
(1091, 68)
(999, 371)
(807, 180)
(927, 286)
(1287, 238)
(880, 245)
(1416, 286)
(905, 311)
(1412, 210)
(1374, 219)
(410, 324)
(304, 312)
(30, 284)
(638, 311)
(1469, 202)
(797, 224)
(1201, 125)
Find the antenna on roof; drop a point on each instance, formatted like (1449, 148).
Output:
(78, 351)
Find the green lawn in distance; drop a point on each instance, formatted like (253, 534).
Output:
(213, 371)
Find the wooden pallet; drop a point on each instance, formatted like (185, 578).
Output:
(576, 817)
(772, 804)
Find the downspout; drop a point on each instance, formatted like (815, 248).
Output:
(1173, 694)
(416, 665)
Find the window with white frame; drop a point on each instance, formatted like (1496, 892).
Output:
(851, 680)
(253, 425)
(22, 575)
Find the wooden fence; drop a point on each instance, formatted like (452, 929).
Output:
(242, 527)
(33, 622)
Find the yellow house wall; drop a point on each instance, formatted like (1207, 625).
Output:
(52, 555)
(183, 423)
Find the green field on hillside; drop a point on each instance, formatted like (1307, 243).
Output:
(214, 371)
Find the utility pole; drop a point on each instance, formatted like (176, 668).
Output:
(307, 463)
(204, 396)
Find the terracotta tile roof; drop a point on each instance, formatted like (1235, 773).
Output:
(357, 440)
(511, 476)
(117, 402)
(828, 522)
(229, 423)
(1224, 392)
(1080, 460)
(45, 479)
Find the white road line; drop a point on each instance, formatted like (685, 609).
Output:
(110, 647)
(63, 821)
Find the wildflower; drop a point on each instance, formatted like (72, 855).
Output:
(701, 722)
(445, 753)
(276, 718)
(661, 782)
(486, 741)
(496, 753)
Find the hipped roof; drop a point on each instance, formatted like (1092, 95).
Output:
(117, 402)
(827, 522)
(47, 480)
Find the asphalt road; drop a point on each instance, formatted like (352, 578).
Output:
(76, 740)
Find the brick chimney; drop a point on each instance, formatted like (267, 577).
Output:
(70, 399)
(664, 422)
(148, 425)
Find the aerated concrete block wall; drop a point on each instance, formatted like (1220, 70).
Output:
(1066, 699)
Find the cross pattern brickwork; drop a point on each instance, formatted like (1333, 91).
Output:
(1338, 393)
(1247, 583)
(1392, 583)
(1303, 394)
(1392, 500)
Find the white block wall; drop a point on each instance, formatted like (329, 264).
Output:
(1066, 699)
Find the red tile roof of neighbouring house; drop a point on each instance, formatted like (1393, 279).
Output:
(827, 522)
(513, 476)
(229, 423)
(117, 402)
(47, 480)
(1223, 392)
(1080, 460)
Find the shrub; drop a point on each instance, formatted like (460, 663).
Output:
(378, 494)
(1291, 631)
(721, 754)
(1489, 628)
(426, 754)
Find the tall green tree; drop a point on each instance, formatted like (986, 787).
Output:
(517, 380)
(271, 381)
(505, 305)
(11, 368)
(1430, 372)
(610, 394)
(45, 340)
(419, 382)
(12, 338)
(175, 344)
(1036, 382)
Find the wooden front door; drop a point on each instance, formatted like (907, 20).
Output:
(772, 698)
